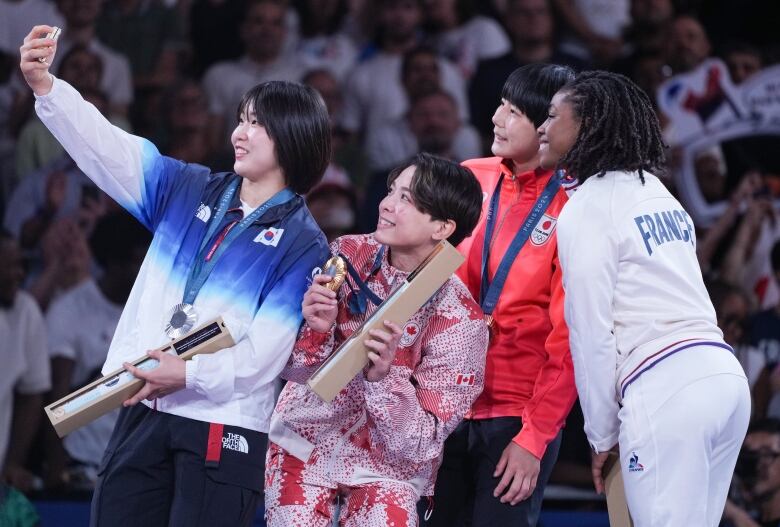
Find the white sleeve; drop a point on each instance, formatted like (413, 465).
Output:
(588, 249)
(260, 357)
(128, 168)
(61, 319)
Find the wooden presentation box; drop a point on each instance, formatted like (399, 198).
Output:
(351, 357)
(617, 507)
(100, 397)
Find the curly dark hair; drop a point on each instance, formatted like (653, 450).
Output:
(619, 129)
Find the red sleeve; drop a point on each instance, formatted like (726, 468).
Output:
(554, 392)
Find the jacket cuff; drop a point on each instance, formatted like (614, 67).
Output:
(531, 441)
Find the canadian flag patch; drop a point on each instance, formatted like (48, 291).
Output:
(270, 236)
(543, 230)
(465, 379)
(409, 335)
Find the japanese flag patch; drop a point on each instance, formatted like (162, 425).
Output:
(270, 236)
(543, 230)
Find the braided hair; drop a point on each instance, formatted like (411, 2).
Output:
(619, 129)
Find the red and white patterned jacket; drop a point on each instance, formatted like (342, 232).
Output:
(394, 428)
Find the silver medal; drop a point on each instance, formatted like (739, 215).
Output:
(181, 320)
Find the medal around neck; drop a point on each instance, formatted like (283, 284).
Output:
(336, 268)
(182, 319)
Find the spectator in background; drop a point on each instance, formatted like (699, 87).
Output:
(742, 60)
(154, 57)
(689, 45)
(25, 374)
(432, 125)
(116, 80)
(374, 93)
(334, 208)
(322, 45)
(462, 36)
(763, 336)
(36, 146)
(81, 324)
(758, 472)
(531, 28)
(593, 29)
(214, 32)
(15, 15)
(263, 33)
(185, 132)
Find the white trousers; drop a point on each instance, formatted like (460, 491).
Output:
(681, 428)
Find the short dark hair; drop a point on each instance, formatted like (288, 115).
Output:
(297, 121)
(116, 238)
(445, 190)
(619, 127)
(531, 87)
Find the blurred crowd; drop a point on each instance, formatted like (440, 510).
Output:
(398, 77)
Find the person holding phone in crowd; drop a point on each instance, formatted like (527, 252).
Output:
(240, 245)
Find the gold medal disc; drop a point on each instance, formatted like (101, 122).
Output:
(336, 268)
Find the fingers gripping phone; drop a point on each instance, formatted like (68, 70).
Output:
(53, 34)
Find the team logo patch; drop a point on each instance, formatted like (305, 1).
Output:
(543, 230)
(203, 213)
(235, 442)
(270, 236)
(634, 465)
(410, 332)
(465, 379)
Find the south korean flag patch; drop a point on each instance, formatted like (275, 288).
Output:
(270, 236)
(543, 230)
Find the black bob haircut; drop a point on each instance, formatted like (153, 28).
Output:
(445, 190)
(531, 87)
(619, 128)
(297, 121)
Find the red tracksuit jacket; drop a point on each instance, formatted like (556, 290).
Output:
(529, 372)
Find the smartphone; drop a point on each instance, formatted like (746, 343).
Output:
(53, 34)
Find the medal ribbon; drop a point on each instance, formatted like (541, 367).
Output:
(489, 291)
(357, 304)
(207, 259)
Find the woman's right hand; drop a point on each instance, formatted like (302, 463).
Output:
(320, 305)
(35, 47)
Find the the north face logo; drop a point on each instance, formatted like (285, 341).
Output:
(235, 442)
(203, 213)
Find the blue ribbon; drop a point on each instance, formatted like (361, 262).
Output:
(201, 269)
(357, 303)
(489, 291)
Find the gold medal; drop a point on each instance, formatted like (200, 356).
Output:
(337, 270)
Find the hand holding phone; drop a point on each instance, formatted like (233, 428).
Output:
(54, 34)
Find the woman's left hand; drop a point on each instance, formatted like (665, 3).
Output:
(382, 346)
(166, 378)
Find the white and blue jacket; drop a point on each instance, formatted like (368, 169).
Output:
(257, 286)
